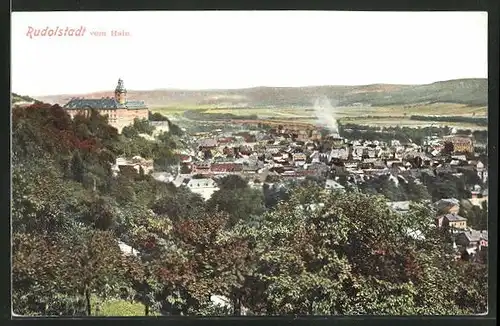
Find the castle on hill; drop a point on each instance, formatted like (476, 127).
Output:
(120, 111)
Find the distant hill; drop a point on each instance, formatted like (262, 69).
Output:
(19, 99)
(464, 91)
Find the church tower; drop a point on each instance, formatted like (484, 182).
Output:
(120, 92)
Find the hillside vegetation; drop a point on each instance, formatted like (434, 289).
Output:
(266, 251)
(16, 98)
(464, 91)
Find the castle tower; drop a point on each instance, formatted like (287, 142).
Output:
(120, 92)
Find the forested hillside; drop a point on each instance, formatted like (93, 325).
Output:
(463, 91)
(353, 256)
(16, 98)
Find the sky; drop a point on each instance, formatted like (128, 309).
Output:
(228, 49)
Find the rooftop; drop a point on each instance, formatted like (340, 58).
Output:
(399, 205)
(102, 103)
(475, 235)
(454, 218)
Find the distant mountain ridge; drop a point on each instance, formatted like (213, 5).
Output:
(464, 91)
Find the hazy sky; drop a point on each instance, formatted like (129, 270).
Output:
(199, 50)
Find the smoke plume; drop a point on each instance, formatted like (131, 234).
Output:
(325, 113)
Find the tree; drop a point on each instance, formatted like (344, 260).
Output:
(97, 265)
(208, 260)
(40, 197)
(39, 279)
(47, 271)
(471, 296)
(77, 167)
(477, 217)
(156, 116)
(446, 185)
(448, 148)
(274, 194)
(232, 182)
(130, 132)
(122, 187)
(143, 126)
(179, 204)
(352, 256)
(390, 189)
(470, 177)
(239, 203)
(385, 186)
(415, 191)
(272, 178)
(101, 213)
(175, 129)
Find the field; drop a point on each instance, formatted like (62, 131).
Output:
(118, 308)
(380, 116)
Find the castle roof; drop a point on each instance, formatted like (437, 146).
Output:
(135, 104)
(103, 103)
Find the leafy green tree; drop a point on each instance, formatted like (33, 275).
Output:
(274, 194)
(239, 203)
(157, 116)
(352, 256)
(101, 213)
(391, 190)
(97, 268)
(471, 295)
(48, 272)
(41, 285)
(77, 167)
(233, 182)
(271, 178)
(179, 204)
(208, 260)
(185, 169)
(130, 132)
(122, 188)
(448, 148)
(40, 197)
(470, 177)
(143, 126)
(164, 156)
(446, 185)
(415, 191)
(477, 217)
(175, 129)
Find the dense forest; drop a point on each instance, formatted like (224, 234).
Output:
(351, 256)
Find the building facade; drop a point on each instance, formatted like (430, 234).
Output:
(120, 111)
(461, 144)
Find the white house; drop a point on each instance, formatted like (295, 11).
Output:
(204, 187)
(399, 206)
(163, 176)
(333, 185)
(136, 162)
